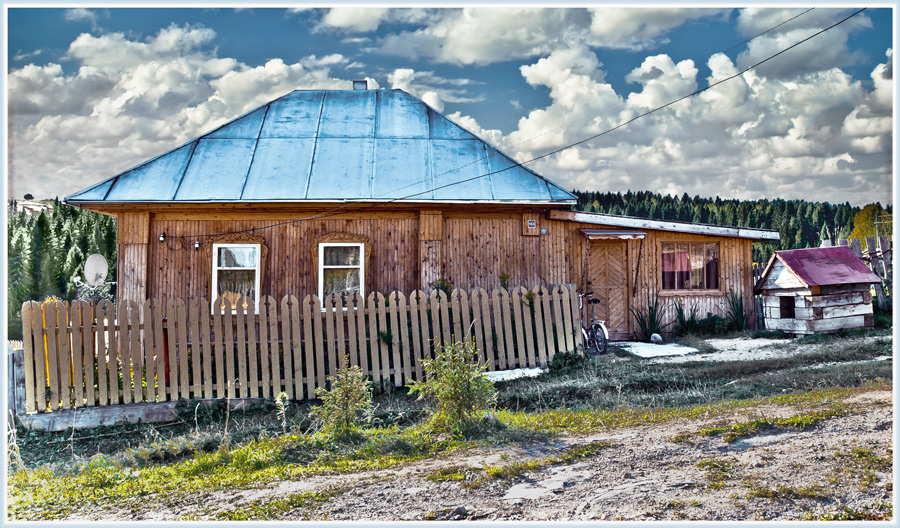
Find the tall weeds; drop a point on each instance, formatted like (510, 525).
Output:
(737, 319)
(650, 320)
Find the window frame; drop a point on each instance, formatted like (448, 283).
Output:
(214, 286)
(321, 267)
(690, 291)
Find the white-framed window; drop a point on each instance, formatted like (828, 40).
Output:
(236, 271)
(341, 268)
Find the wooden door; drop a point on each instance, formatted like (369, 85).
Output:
(608, 272)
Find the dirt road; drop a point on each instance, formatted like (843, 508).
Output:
(838, 468)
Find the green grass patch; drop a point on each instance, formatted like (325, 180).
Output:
(268, 509)
(717, 471)
(734, 432)
(780, 492)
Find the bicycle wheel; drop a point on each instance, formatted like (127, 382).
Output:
(601, 344)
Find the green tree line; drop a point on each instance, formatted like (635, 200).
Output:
(800, 224)
(47, 251)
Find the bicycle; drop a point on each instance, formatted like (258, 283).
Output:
(596, 337)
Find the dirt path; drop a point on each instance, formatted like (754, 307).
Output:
(776, 475)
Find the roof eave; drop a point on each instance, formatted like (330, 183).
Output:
(664, 225)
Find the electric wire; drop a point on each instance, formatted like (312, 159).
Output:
(335, 211)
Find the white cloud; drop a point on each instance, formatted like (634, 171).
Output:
(432, 89)
(79, 14)
(368, 19)
(639, 28)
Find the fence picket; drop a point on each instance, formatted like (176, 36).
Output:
(539, 293)
(571, 318)
(496, 302)
(317, 341)
(181, 326)
(374, 358)
(159, 350)
(274, 348)
(29, 309)
(506, 311)
(518, 321)
(228, 326)
(241, 348)
(289, 309)
(383, 333)
(352, 339)
(458, 333)
(309, 307)
(205, 347)
(330, 312)
(78, 377)
(558, 316)
(265, 372)
(65, 358)
(405, 353)
(394, 332)
(52, 324)
(528, 302)
(340, 316)
(479, 310)
(149, 363)
(417, 334)
(196, 381)
(87, 341)
(104, 349)
(171, 346)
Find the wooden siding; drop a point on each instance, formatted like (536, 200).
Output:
(465, 245)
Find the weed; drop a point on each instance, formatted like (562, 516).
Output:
(737, 319)
(456, 383)
(260, 510)
(443, 285)
(649, 320)
(505, 280)
(281, 406)
(781, 491)
(734, 432)
(717, 470)
(850, 514)
(687, 323)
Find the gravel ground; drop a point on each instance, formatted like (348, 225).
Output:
(644, 475)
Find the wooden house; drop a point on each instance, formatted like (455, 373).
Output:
(372, 190)
(808, 291)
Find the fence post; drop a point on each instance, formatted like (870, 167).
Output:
(16, 379)
(886, 256)
(876, 267)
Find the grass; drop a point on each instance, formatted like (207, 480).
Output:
(718, 470)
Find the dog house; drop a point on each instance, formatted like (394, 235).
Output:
(807, 291)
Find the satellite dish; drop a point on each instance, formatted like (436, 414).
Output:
(95, 269)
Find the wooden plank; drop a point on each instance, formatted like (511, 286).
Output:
(477, 329)
(65, 357)
(229, 350)
(172, 347)
(30, 310)
(405, 352)
(446, 330)
(310, 306)
(575, 330)
(384, 330)
(87, 340)
(329, 313)
(218, 347)
(856, 246)
(458, 332)
(206, 347)
(252, 352)
(567, 316)
(558, 318)
(498, 329)
(182, 327)
(352, 339)
(546, 320)
(288, 304)
(840, 323)
(264, 369)
(540, 340)
(424, 326)
(134, 337)
(417, 336)
(360, 309)
(100, 313)
(340, 316)
(78, 377)
(435, 319)
(394, 331)
(515, 299)
(486, 329)
(506, 317)
(372, 313)
(51, 326)
(465, 330)
(240, 317)
(149, 347)
(846, 310)
(528, 302)
(319, 361)
(274, 352)
(196, 381)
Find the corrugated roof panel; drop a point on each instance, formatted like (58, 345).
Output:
(97, 192)
(456, 161)
(246, 127)
(217, 171)
(280, 169)
(512, 182)
(442, 128)
(295, 115)
(402, 169)
(342, 169)
(348, 114)
(400, 116)
(153, 181)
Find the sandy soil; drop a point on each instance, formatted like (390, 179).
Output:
(643, 476)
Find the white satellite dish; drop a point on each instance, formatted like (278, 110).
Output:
(95, 269)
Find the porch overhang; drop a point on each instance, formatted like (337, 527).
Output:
(612, 234)
(663, 225)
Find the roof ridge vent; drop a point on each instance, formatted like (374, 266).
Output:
(361, 85)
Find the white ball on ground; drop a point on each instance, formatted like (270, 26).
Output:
(656, 339)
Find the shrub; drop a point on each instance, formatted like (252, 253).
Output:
(737, 319)
(444, 286)
(456, 384)
(343, 404)
(563, 362)
(650, 321)
(687, 322)
(504, 280)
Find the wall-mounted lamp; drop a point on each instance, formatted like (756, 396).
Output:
(162, 237)
(196, 245)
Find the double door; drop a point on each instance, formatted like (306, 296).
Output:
(608, 273)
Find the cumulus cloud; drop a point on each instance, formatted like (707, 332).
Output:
(79, 14)
(640, 28)
(368, 19)
(130, 99)
(433, 89)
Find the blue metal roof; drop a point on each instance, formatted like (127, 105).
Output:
(327, 146)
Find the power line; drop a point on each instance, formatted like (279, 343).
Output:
(768, 30)
(335, 211)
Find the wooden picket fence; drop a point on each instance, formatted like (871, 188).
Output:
(77, 354)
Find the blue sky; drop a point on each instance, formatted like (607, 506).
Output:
(92, 92)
